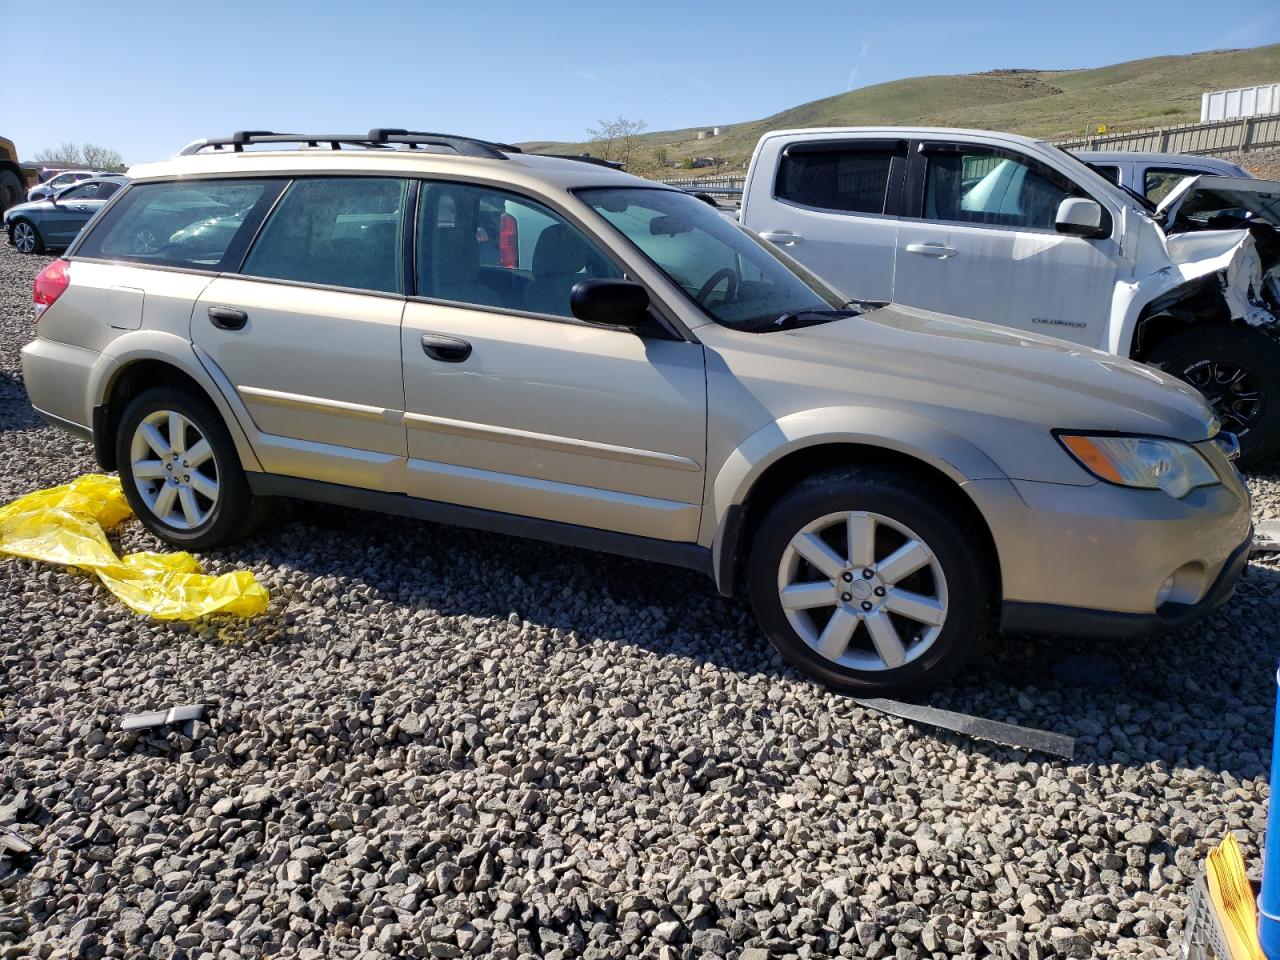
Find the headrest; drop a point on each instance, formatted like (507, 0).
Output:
(560, 252)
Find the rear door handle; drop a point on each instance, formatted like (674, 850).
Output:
(445, 349)
(228, 318)
(782, 236)
(938, 250)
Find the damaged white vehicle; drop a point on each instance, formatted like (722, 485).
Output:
(1014, 231)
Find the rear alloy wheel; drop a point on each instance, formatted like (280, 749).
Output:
(1237, 368)
(870, 580)
(24, 236)
(181, 473)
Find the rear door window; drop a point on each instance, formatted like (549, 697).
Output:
(336, 231)
(1158, 183)
(203, 225)
(980, 186)
(843, 177)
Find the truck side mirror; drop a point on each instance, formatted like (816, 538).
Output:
(1079, 217)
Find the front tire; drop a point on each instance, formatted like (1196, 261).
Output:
(868, 580)
(24, 235)
(1237, 369)
(180, 471)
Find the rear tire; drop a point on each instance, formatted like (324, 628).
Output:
(11, 192)
(898, 599)
(1237, 368)
(25, 236)
(181, 473)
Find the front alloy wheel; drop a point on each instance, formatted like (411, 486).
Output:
(24, 237)
(174, 470)
(862, 590)
(872, 579)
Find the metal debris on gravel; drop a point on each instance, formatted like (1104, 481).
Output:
(440, 743)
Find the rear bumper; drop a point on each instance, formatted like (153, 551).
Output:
(57, 377)
(1051, 618)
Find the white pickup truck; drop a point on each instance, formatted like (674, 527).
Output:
(1014, 231)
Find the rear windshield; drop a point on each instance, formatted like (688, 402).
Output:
(200, 225)
(738, 279)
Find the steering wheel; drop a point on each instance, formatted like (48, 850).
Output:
(713, 281)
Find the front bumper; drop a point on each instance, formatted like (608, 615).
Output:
(1050, 618)
(1093, 559)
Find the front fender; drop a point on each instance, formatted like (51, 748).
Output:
(893, 430)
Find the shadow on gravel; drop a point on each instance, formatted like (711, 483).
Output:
(1199, 698)
(15, 405)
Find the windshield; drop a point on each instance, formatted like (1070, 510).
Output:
(738, 279)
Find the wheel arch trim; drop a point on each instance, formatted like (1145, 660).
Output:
(892, 431)
(153, 346)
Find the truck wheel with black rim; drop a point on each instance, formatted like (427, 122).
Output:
(871, 580)
(11, 193)
(1237, 368)
(181, 473)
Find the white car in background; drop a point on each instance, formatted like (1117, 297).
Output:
(1018, 232)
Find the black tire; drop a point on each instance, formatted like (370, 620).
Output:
(959, 546)
(1206, 354)
(11, 192)
(236, 512)
(37, 246)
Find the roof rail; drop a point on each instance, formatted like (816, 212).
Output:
(588, 158)
(379, 137)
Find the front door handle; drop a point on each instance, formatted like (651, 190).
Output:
(939, 251)
(228, 318)
(782, 236)
(445, 349)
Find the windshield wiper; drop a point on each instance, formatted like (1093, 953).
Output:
(865, 306)
(807, 318)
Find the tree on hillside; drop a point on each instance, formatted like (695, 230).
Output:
(616, 139)
(660, 156)
(88, 155)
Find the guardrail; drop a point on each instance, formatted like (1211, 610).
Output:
(1218, 136)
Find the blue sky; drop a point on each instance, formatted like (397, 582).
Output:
(145, 78)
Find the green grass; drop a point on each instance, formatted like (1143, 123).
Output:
(1160, 91)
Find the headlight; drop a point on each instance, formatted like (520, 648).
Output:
(1144, 462)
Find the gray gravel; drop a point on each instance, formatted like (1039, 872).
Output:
(439, 743)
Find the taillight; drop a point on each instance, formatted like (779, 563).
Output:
(49, 285)
(508, 242)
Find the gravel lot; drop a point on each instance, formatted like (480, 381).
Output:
(447, 744)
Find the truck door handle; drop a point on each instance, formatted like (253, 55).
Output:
(228, 318)
(938, 250)
(782, 236)
(445, 349)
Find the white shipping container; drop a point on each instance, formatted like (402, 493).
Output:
(1241, 102)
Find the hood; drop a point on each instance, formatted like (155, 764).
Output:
(936, 363)
(30, 205)
(1208, 203)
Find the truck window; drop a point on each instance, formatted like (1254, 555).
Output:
(1157, 182)
(984, 187)
(848, 180)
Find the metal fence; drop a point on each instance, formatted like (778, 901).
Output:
(1220, 136)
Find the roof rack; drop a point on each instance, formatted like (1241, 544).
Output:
(379, 137)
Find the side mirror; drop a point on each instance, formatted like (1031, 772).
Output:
(1079, 217)
(613, 303)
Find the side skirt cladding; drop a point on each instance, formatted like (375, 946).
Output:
(690, 556)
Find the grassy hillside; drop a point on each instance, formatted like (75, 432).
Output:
(1141, 93)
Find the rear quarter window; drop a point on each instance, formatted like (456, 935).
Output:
(203, 225)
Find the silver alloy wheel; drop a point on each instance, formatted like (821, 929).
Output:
(863, 590)
(24, 237)
(174, 469)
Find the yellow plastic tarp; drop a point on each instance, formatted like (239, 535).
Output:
(67, 525)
